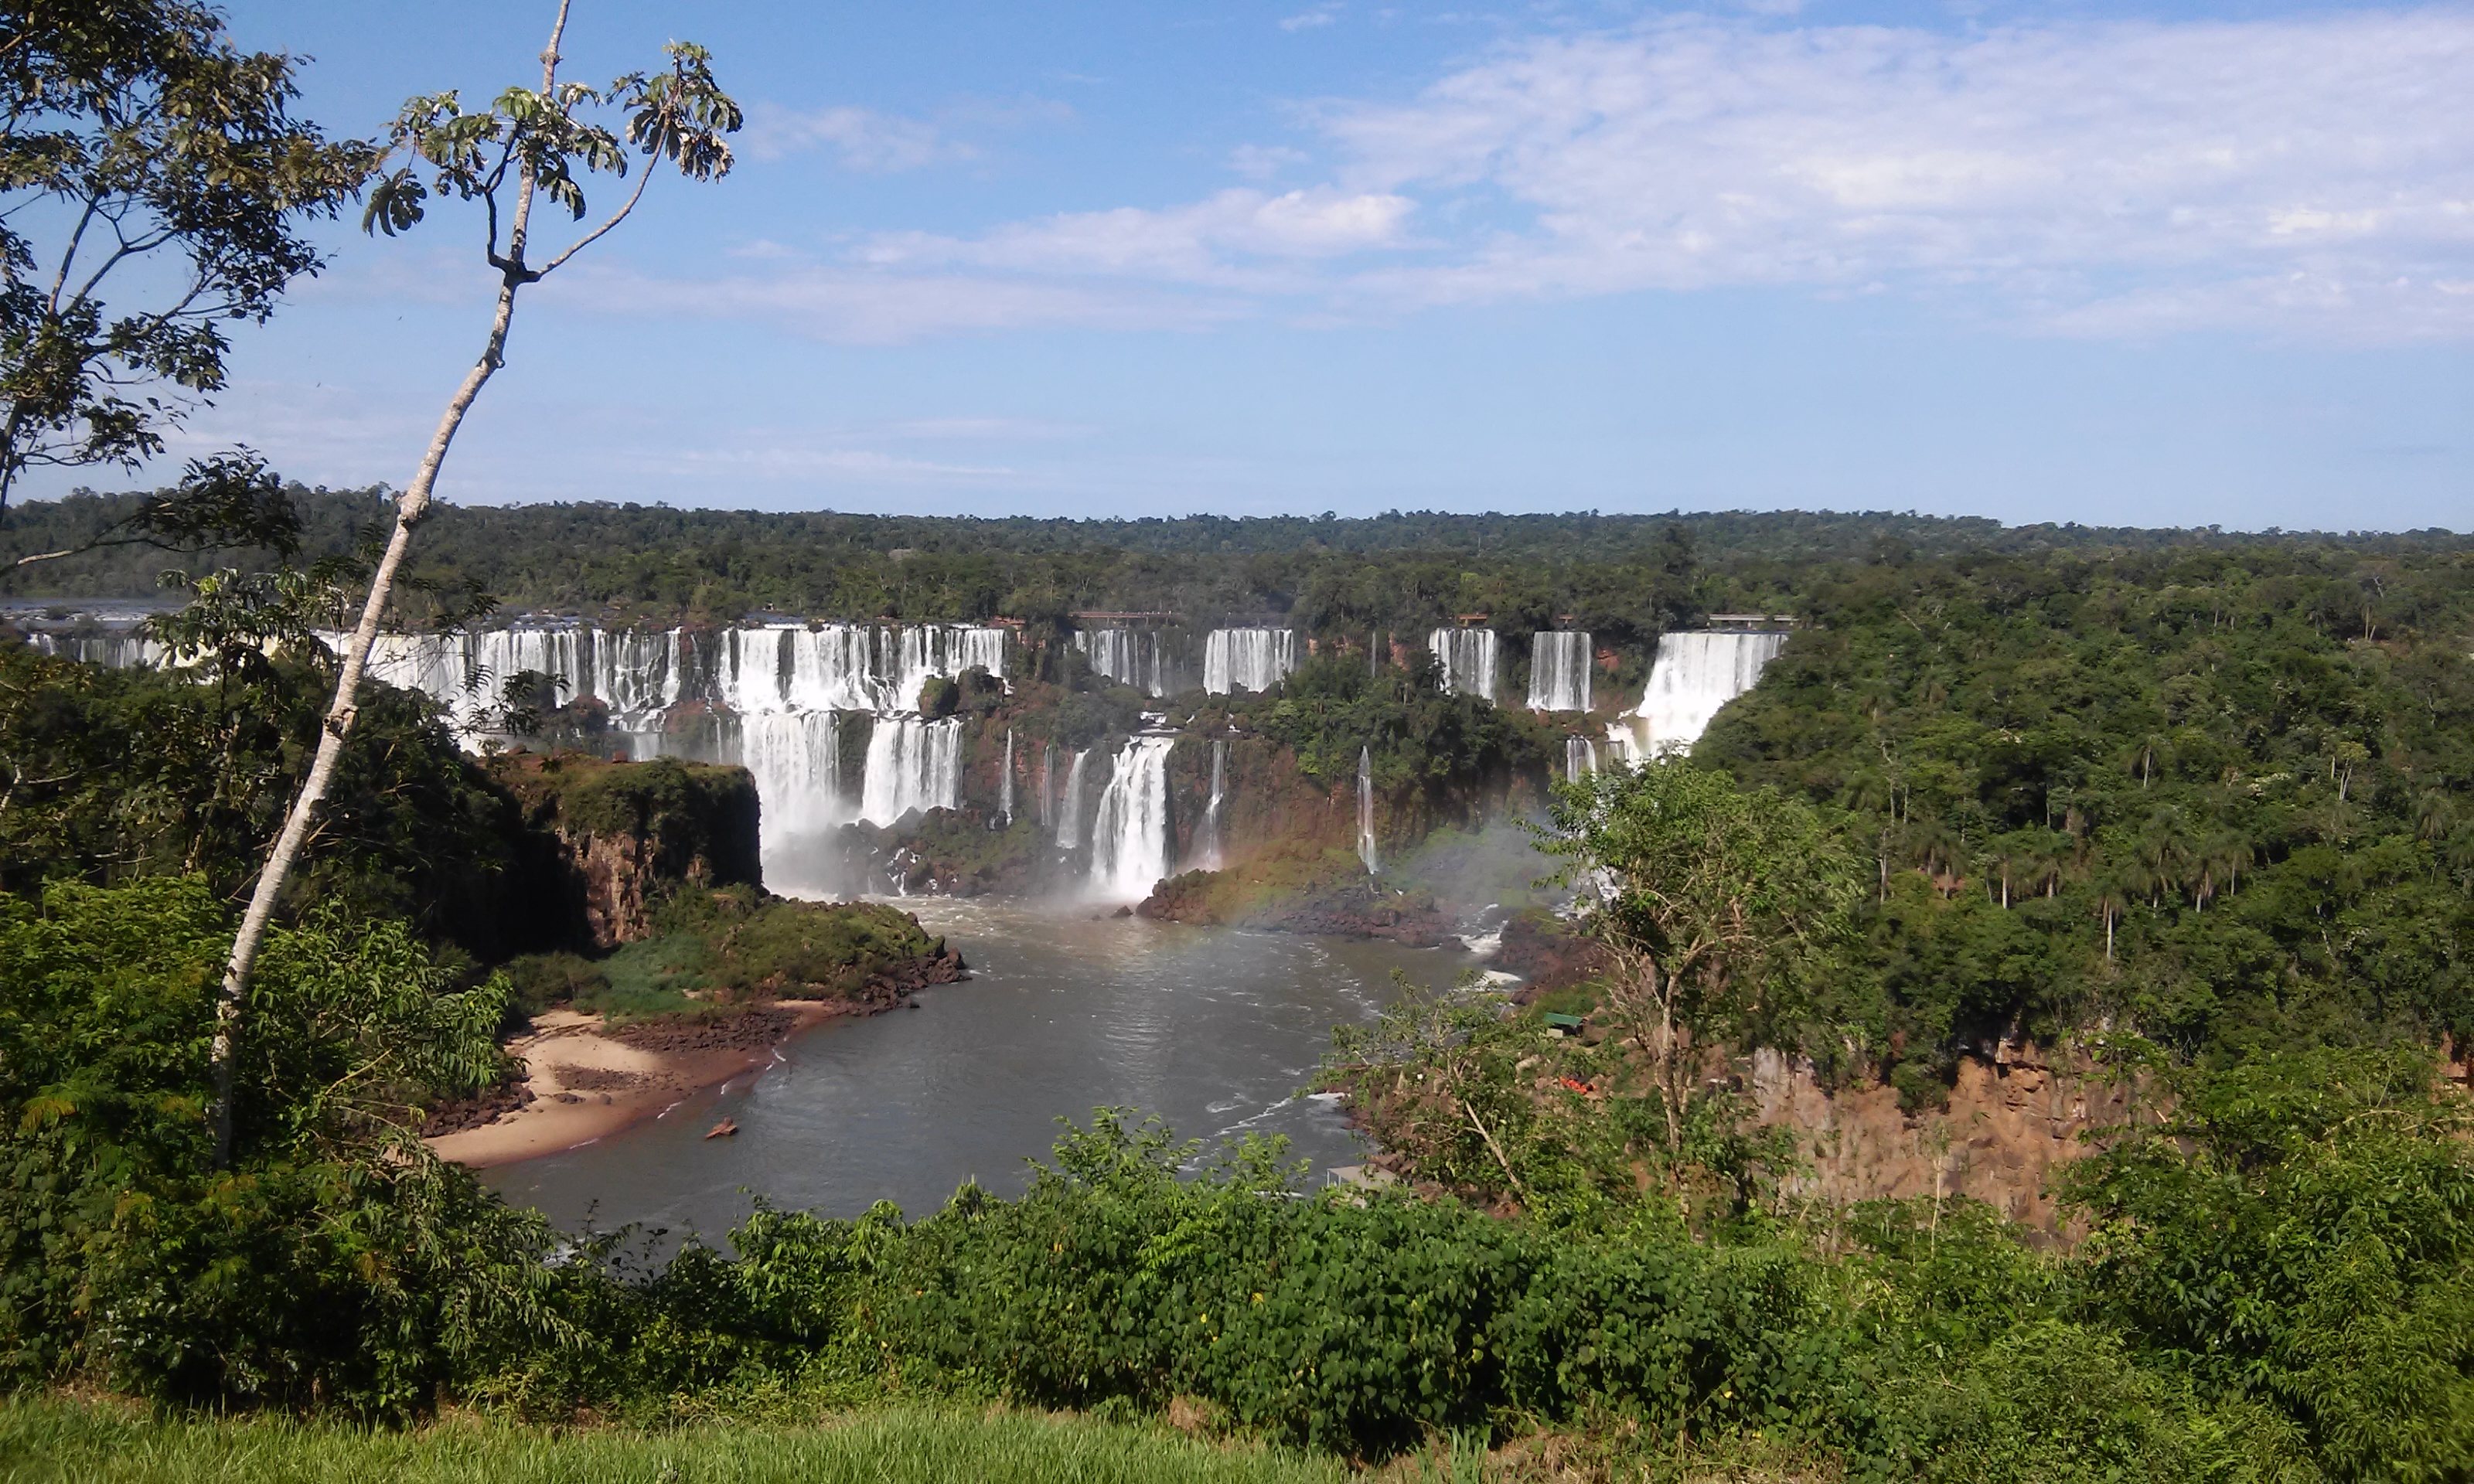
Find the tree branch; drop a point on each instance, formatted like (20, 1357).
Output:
(69, 254)
(588, 238)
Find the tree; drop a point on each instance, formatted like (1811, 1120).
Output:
(137, 135)
(227, 500)
(532, 144)
(2294, 1231)
(1719, 904)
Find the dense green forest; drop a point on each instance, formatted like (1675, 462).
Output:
(2221, 796)
(1625, 578)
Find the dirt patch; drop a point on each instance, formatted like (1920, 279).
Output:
(2013, 1120)
(753, 1028)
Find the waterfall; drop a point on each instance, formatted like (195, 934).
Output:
(777, 690)
(113, 651)
(911, 764)
(1580, 759)
(1128, 657)
(1129, 838)
(1209, 856)
(1068, 812)
(1559, 671)
(1246, 658)
(829, 668)
(1005, 798)
(1468, 658)
(1047, 786)
(910, 658)
(1693, 676)
(1366, 809)
(797, 759)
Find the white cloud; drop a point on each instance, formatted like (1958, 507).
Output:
(2204, 160)
(1309, 20)
(1261, 163)
(858, 306)
(2311, 176)
(1237, 238)
(865, 140)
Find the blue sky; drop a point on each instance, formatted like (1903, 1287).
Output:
(2105, 262)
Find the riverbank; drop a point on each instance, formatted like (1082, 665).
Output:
(584, 1081)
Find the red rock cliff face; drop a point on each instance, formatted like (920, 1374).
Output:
(2011, 1124)
(618, 871)
(631, 829)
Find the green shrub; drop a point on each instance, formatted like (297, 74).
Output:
(334, 1261)
(541, 980)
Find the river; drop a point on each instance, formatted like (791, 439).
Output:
(1214, 1030)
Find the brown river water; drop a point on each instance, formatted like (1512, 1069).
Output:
(1214, 1030)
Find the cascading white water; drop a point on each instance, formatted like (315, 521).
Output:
(1366, 809)
(1069, 810)
(1005, 798)
(1246, 658)
(1559, 671)
(1694, 676)
(1468, 658)
(786, 684)
(911, 764)
(1129, 657)
(111, 651)
(1048, 787)
(636, 674)
(831, 668)
(797, 759)
(777, 690)
(1580, 759)
(1208, 853)
(1129, 838)
(911, 656)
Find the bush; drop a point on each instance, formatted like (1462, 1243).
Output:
(541, 980)
(334, 1261)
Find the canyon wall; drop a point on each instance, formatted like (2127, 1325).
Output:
(631, 829)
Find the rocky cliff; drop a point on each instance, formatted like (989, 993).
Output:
(2014, 1118)
(631, 829)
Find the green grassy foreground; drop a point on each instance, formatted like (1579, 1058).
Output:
(42, 1442)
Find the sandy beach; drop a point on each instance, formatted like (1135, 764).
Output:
(587, 1084)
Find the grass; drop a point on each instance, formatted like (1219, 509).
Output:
(56, 1440)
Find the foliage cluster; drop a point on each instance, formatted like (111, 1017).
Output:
(334, 1261)
(143, 153)
(698, 820)
(109, 775)
(1626, 578)
(1931, 1345)
(715, 949)
(2278, 1289)
(1419, 736)
(2225, 798)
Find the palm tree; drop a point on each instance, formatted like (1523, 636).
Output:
(2112, 899)
(2054, 855)
(2221, 862)
(2164, 855)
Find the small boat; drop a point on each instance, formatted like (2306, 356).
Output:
(723, 1130)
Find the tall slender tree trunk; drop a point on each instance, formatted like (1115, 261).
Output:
(409, 511)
